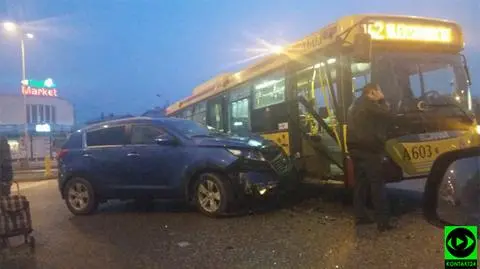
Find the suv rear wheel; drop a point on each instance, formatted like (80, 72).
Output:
(212, 193)
(80, 197)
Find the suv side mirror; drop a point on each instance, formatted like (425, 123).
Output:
(362, 46)
(452, 190)
(165, 140)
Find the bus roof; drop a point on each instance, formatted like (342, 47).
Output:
(315, 41)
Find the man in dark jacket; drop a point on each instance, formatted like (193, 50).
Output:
(6, 172)
(368, 118)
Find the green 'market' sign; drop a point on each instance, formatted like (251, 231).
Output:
(48, 83)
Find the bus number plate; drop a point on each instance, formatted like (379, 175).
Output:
(420, 152)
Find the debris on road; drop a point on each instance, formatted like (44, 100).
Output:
(183, 244)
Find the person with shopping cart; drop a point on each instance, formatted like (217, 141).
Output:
(6, 171)
(15, 216)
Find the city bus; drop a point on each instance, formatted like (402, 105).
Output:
(299, 96)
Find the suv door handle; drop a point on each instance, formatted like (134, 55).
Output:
(133, 154)
(86, 154)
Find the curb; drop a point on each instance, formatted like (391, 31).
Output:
(32, 172)
(32, 179)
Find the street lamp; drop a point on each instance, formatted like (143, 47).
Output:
(10, 26)
(13, 28)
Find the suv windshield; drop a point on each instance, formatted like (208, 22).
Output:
(407, 78)
(189, 128)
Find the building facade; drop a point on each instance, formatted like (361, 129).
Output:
(46, 119)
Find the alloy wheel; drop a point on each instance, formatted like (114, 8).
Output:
(78, 196)
(209, 196)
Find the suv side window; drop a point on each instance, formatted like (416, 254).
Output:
(145, 134)
(74, 141)
(109, 136)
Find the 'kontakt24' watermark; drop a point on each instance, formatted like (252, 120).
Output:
(461, 247)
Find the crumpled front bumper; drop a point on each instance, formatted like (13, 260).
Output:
(255, 183)
(262, 184)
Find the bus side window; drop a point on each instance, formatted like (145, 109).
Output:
(240, 116)
(187, 113)
(269, 91)
(360, 77)
(182, 114)
(215, 114)
(200, 113)
(239, 110)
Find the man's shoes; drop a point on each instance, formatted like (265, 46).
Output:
(386, 226)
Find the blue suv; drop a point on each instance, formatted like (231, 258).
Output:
(168, 158)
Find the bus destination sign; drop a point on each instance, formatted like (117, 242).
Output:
(402, 31)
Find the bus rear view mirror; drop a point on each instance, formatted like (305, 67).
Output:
(362, 47)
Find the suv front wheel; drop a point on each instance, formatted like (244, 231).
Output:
(212, 193)
(80, 197)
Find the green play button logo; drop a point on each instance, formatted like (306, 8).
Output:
(461, 246)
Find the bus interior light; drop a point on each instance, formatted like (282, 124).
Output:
(331, 61)
(267, 84)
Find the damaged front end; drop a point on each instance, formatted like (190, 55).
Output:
(260, 180)
(256, 184)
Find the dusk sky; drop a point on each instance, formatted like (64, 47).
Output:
(115, 56)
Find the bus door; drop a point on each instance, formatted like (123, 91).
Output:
(316, 92)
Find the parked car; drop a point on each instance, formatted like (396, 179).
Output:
(168, 158)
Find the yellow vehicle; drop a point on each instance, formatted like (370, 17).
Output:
(299, 97)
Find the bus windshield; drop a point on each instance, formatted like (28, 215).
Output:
(407, 78)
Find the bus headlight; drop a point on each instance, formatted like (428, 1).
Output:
(247, 154)
(478, 129)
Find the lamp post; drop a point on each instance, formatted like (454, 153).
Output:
(13, 28)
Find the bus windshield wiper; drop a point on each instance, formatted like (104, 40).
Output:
(444, 104)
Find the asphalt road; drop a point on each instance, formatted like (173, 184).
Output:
(313, 230)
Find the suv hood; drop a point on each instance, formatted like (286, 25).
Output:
(235, 141)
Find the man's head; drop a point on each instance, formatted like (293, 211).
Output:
(373, 92)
